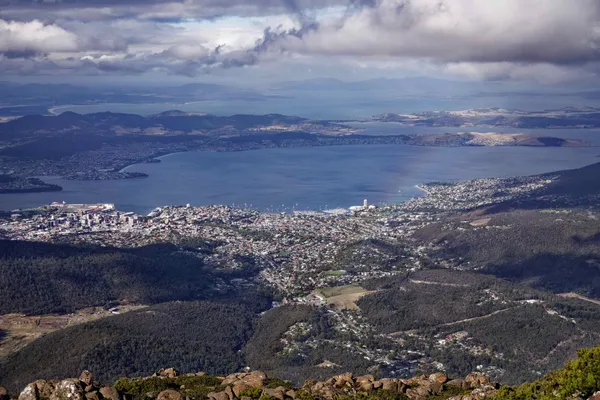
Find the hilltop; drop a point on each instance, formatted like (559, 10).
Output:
(578, 379)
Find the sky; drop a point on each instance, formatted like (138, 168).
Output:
(542, 42)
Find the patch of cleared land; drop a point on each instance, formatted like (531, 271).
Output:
(342, 297)
(580, 297)
(20, 330)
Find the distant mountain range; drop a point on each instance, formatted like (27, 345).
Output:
(568, 117)
(37, 98)
(113, 123)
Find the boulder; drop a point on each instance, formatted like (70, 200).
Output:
(418, 393)
(389, 384)
(595, 396)
(278, 393)
(364, 382)
(342, 380)
(92, 396)
(38, 389)
(291, 394)
(30, 392)
(364, 386)
(169, 395)
(439, 377)
(328, 393)
(254, 379)
(218, 396)
(69, 389)
(230, 393)
(402, 387)
(437, 388)
(167, 373)
(110, 393)
(476, 380)
(483, 393)
(458, 384)
(233, 378)
(413, 395)
(238, 388)
(87, 378)
(414, 380)
(4, 393)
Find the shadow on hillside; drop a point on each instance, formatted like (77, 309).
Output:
(556, 273)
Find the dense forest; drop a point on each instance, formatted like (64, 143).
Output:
(39, 278)
(406, 303)
(189, 336)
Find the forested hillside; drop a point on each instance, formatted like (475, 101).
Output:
(39, 278)
(189, 336)
(474, 319)
(551, 249)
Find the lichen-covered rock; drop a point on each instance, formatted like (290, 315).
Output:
(69, 389)
(38, 389)
(110, 393)
(169, 395)
(30, 392)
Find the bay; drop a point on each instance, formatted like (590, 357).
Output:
(304, 178)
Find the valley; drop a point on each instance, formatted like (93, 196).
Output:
(436, 283)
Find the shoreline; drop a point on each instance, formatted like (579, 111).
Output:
(163, 156)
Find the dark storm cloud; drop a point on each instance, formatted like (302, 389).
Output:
(157, 10)
(528, 31)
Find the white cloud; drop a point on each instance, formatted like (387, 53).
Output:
(36, 37)
(544, 40)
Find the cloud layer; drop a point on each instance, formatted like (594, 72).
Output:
(492, 39)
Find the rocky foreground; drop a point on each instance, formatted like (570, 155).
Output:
(578, 380)
(167, 384)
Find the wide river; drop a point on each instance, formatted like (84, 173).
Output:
(305, 178)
